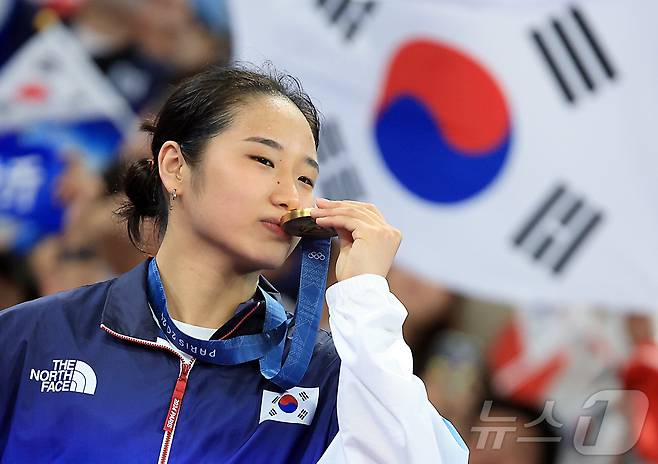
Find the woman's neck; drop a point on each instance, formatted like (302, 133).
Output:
(202, 286)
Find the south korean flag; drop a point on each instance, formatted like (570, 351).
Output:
(513, 145)
(296, 406)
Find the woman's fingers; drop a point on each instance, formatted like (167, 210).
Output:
(368, 242)
(366, 216)
(348, 223)
(368, 206)
(347, 208)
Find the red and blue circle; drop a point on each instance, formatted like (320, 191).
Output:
(288, 403)
(442, 123)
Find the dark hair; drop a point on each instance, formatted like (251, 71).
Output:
(200, 108)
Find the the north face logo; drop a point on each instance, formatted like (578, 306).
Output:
(67, 375)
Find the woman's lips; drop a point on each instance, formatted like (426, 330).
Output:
(276, 229)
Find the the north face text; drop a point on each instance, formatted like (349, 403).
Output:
(67, 375)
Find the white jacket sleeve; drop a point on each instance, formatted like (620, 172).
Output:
(384, 415)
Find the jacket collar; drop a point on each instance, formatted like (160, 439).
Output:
(127, 312)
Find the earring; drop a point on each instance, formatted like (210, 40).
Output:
(173, 197)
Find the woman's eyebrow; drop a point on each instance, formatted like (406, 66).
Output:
(265, 141)
(277, 146)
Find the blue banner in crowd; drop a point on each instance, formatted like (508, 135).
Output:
(56, 105)
(31, 162)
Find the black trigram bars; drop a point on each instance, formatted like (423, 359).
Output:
(343, 184)
(342, 180)
(557, 229)
(302, 414)
(331, 141)
(348, 15)
(574, 55)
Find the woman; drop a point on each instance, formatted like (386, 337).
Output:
(95, 374)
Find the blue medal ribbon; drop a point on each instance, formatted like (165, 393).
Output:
(235, 350)
(267, 346)
(310, 299)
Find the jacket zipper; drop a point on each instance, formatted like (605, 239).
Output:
(174, 410)
(176, 397)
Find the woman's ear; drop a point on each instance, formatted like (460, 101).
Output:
(171, 164)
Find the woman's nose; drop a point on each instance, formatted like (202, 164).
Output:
(286, 195)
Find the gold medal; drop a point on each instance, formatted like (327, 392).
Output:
(299, 223)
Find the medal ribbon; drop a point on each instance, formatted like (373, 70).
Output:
(267, 346)
(235, 350)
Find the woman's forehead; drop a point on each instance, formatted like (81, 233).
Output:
(271, 117)
(267, 107)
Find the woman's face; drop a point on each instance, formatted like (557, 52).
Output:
(262, 166)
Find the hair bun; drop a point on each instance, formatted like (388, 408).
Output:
(142, 186)
(143, 189)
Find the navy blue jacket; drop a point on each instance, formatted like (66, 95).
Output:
(83, 380)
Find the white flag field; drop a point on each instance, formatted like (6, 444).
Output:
(513, 145)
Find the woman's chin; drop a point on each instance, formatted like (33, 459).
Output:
(265, 263)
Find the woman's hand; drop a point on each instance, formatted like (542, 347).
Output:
(367, 242)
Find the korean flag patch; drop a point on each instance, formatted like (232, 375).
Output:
(295, 406)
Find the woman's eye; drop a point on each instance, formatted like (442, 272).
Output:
(306, 180)
(263, 160)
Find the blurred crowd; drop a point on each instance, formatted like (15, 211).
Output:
(515, 384)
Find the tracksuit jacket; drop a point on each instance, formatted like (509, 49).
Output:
(87, 375)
